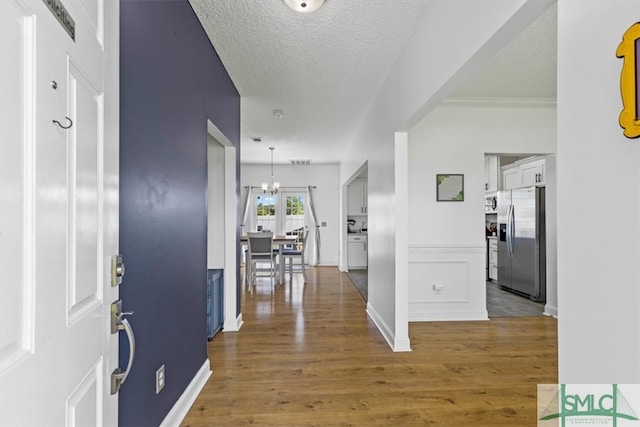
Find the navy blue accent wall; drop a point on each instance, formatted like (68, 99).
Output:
(171, 82)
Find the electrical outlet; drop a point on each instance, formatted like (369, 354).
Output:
(438, 287)
(160, 379)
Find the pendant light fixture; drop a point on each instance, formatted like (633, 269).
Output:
(304, 6)
(273, 189)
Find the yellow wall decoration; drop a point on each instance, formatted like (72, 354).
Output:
(629, 49)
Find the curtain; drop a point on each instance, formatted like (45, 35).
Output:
(314, 217)
(245, 210)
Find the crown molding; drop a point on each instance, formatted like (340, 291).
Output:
(499, 102)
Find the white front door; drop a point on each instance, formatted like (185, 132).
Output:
(58, 212)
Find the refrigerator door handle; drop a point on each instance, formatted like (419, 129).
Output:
(509, 231)
(512, 230)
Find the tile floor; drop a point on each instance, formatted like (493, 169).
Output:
(505, 304)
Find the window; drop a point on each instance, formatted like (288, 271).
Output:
(265, 213)
(283, 213)
(294, 213)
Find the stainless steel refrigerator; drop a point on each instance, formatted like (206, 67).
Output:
(521, 242)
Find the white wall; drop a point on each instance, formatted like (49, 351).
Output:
(447, 47)
(447, 239)
(326, 198)
(551, 202)
(598, 199)
(215, 204)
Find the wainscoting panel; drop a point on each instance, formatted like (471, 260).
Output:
(450, 274)
(447, 282)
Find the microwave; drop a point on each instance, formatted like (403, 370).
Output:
(491, 203)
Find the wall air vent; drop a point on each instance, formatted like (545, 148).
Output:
(256, 138)
(301, 162)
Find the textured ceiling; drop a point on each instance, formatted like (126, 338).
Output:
(525, 68)
(324, 69)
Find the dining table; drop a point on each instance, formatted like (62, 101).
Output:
(282, 241)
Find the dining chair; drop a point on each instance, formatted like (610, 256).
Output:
(296, 254)
(260, 250)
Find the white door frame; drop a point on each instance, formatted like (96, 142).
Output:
(232, 320)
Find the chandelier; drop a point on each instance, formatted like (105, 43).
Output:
(273, 189)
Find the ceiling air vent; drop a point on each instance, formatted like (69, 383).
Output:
(301, 162)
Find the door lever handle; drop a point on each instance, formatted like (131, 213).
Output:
(117, 316)
(119, 323)
(117, 376)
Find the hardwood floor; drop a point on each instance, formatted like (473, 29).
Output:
(308, 356)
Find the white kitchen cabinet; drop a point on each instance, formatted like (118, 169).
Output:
(533, 173)
(357, 251)
(493, 259)
(524, 173)
(491, 173)
(357, 198)
(511, 177)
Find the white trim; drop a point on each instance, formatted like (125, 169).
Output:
(231, 322)
(182, 406)
(418, 248)
(387, 333)
(384, 329)
(234, 325)
(465, 299)
(497, 102)
(401, 179)
(230, 241)
(402, 345)
(447, 316)
(550, 310)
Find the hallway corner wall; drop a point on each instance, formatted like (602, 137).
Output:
(598, 249)
(172, 81)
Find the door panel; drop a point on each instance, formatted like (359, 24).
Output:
(56, 348)
(94, 12)
(530, 173)
(84, 147)
(17, 175)
(83, 406)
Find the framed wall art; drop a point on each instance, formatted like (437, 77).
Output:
(629, 50)
(449, 187)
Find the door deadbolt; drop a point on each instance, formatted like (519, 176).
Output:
(117, 269)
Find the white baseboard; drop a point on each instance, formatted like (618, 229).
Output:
(396, 345)
(182, 406)
(550, 310)
(448, 316)
(402, 345)
(233, 326)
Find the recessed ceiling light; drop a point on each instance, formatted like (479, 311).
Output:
(304, 6)
(278, 114)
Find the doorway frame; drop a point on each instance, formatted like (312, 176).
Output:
(232, 320)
